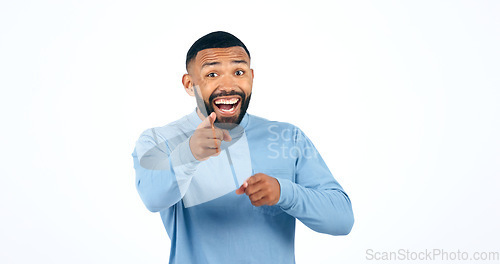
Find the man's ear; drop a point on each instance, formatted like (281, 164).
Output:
(188, 84)
(252, 73)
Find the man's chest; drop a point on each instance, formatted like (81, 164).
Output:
(238, 160)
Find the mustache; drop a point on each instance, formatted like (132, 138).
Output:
(216, 94)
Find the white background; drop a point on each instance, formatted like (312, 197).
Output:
(400, 97)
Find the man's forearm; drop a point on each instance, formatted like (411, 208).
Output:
(162, 179)
(326, 211)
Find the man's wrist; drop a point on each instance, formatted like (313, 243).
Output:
(183, 156)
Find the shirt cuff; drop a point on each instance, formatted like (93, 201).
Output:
(182, 156)
(286, 194)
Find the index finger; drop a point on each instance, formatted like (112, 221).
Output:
(208, 121)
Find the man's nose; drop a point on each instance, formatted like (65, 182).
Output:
(227, 82)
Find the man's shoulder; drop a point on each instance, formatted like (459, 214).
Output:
(179, 125)
(174, 129)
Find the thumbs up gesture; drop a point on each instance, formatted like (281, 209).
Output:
(206, 139)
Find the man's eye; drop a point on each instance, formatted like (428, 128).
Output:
(212, 74)
(240, 72)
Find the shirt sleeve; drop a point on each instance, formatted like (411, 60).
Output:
(162, 174)
(315, 198)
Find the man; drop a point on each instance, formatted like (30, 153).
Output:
(229, 185)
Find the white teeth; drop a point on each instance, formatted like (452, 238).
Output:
(225, 101)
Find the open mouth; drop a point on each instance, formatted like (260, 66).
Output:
(227, 106)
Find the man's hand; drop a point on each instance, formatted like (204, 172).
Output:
(262, 189)
(206, 140)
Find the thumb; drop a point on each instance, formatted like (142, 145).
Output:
(208, 121)
(242, 188)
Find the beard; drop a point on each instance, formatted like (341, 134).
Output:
(225, 122)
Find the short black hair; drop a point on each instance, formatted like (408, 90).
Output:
(217, 39)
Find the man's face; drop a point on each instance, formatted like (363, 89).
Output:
(225, 80)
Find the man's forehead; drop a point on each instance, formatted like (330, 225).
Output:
(216, 54)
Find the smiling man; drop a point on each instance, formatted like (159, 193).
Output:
(229, 185)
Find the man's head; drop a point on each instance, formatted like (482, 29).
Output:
(220, 77)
